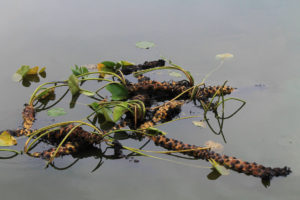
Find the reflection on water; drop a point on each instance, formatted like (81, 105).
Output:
(263, 36)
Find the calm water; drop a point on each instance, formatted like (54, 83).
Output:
(263, 35)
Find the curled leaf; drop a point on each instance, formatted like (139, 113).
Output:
(200, 124)
(214, 146)
(119, 110)
(73, 84)
(6, 139)
(224, 56)
(125, 63)
(87, 92)
(42, 70)
(20, 73)
(155, 131)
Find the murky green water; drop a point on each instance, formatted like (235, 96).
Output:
(264, 36)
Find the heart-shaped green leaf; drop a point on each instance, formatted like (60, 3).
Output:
(119, 110)
(118, 91)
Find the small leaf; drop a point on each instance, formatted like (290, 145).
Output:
(73, 84)
(155, 131)
(214, 146)
(109, 64)
(118, 91)
(103, 68)
(199, 124)
(224, 56)
(6, 139)
(125, 63)
(105, 120)
(87, 92)
(84, 70)
(222, 170)
(100, 66)
(42, 70)
(175, 74)
(55, 112)
(144, 44)
(33, 71)
(76, 70)
(119, 110)
(20, 73)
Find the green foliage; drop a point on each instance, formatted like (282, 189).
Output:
(102, 116)
(87, 92)
(20, 73)
(30, 74)
(125, 63)
(55, 112)
(73, 84)
(118, 91)
(119, 110)
(79, 70)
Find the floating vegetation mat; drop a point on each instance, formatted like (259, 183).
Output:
(125, 101)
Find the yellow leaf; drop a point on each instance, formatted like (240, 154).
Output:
(200, 124)
(6, 139)
(99, 67)
(33, 71)
(42, 70)
(224, 56)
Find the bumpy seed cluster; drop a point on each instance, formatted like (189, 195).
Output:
(146, 90)
(28, 117)
(168, 90)
(78, 139)
(167, 111)
(67, 149)
(78, 135)
(228, 161)
(147, 65)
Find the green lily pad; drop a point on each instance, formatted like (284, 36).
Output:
(55, 112)
(145, 44)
